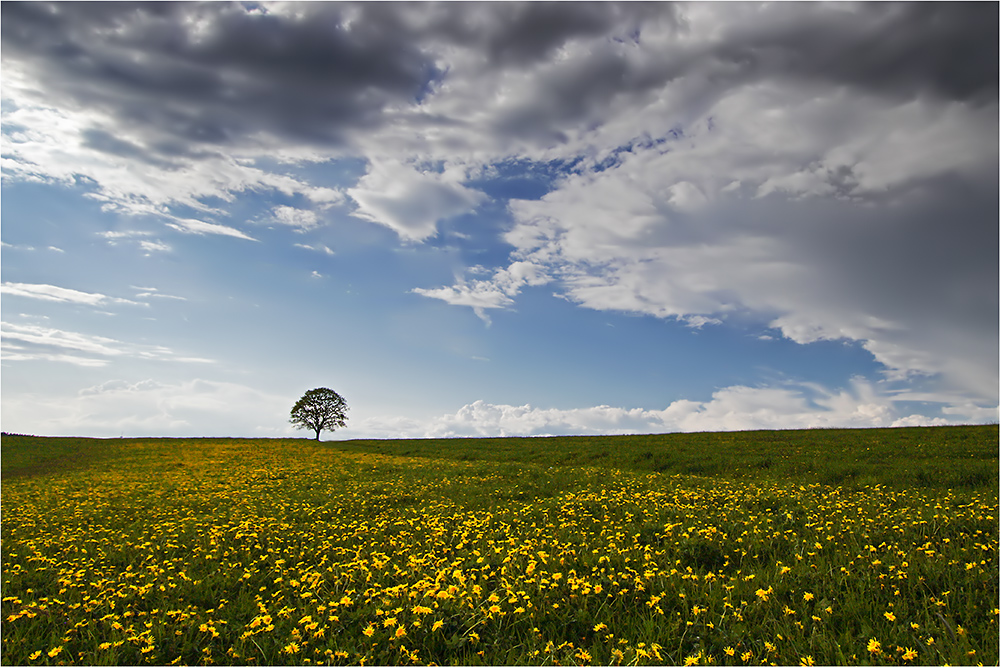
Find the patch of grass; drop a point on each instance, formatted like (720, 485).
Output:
(229, 551)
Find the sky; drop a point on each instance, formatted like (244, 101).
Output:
(498, 219)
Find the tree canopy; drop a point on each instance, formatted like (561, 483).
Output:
(319, 410)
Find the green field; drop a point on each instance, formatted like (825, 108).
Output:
(772, 547)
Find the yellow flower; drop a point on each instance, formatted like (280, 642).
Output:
(599, 627)
(56, 650)
(291, 648)
(692, 659)
(807, 596)
(389, 622)
(369, 631)
(729, 650)
(437, 626)
(400, 632)
(874, 646)
(910, 654)
(807, 660)
(889, 615)
(746, 656)
(34, 656)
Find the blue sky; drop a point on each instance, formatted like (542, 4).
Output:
(498, 219)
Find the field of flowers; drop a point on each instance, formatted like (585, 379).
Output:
(290, 551)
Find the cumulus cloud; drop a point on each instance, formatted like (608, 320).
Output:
(733, 408)
(409, 201)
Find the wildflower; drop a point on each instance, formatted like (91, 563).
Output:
(807, 596)
(746, 656)
(889, 615)
(291, 648)
(56, 650)
(437, 626)
(770, 647)
(369, 631)
(583, 656)
(34, 656)
(692, 659)
(389, 622)
(874, 646)
(729, 650)
(910, 654)
(807, 660)
(599, 627)
(400, 632)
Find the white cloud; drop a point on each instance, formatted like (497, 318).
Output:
(729, 409)
(29, 342)
(154, 246)
(192, 226)
(301, 220)
(315, 248)
(61, 294)
(497, 292)
(118, 407)
(411, 202)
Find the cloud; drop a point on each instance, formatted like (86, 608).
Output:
(497, 292)
(301, 220)
(315, 248)
(154, 246)
(200, 227)
(29, 342)
(730, 409)
(115, 407)
(61, 294)
(411, 202)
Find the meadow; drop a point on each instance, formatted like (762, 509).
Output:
(792, 547)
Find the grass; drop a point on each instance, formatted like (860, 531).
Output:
(792, 547)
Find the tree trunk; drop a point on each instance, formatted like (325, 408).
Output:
(317, 434)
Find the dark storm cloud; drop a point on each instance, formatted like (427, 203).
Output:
(212, 73)
(218, 73)
(944, 49)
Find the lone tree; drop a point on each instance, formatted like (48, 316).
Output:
(320, 410)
